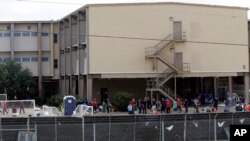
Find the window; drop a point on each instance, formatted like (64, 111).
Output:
(6, 34)
(6, 59)
(17, 34)
(1, 34)
(45, 59)
(34, 59)
(55, 63)
(55, 38)
(17, 59)
(8, 27)
(25, 34)
(33, 34)
(45, 34)
(25, 59)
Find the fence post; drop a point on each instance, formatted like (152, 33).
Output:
(162, 130)
(135, 128)
(109, 127)
(209, 127)
(55, 129)
(215, 131)
(185, 128)
(83, 134)
(94, 133)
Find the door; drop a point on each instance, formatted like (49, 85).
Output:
(177, 29)
(104, 94)
(178, 60)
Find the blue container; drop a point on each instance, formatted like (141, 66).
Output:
(69, 105)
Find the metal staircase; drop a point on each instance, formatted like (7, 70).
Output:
(158, 84)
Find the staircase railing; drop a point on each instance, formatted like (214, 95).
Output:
(165, 76)
(159, 46)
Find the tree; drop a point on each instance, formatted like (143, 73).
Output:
(121, 100)
(14, 80)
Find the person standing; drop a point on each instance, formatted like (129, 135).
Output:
(21, 108)
(168, 106)
(216, 101)
(175, 107)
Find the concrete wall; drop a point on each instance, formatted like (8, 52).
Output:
(215, 36)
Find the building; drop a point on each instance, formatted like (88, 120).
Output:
(164, 48)
(35, 46)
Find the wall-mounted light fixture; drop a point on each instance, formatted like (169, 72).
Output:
(172, 49)
(171, 18)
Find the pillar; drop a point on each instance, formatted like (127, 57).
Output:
(67, 86)
(230, 84)
(201, 86)
(73, 92)
(40, 84)
(89, 87)
(80, 86)
(12, 41)
(246, 86)
(215, 87)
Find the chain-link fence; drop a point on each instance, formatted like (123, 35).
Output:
(175, 127)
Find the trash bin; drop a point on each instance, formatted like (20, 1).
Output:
(69, 105)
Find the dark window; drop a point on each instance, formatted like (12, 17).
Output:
(8, 27)
(26, 59)
(33, 33)
(34, 59)
(17, 34)
(45, 59)
(17, 59)
(55, 63)
(55, 38)
(6, 59)
(6, 34)
(45, 34)
(25, 34)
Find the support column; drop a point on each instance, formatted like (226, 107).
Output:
(40, 84)
(215, 87)
(175, 95)
(73, 86)
(81, 86)
(89, 87)
(12, 30)
(246, 87)
(201, 86)
(230, 84)
(67, 85)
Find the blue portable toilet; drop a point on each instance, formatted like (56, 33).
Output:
(69, 105)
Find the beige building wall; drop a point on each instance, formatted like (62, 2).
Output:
(216, 37)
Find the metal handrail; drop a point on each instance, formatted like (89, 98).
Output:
(159, 46)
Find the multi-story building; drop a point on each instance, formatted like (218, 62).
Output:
(34, 44)
(164, 48)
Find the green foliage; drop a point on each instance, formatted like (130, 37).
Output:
(121, 100)
(55, 100)
(39, 101)
(14, 79)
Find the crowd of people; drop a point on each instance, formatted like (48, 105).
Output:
(167, 105)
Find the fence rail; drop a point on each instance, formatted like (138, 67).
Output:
(175, 127)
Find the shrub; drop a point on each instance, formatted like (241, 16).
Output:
(55, 100)
(121, 100)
